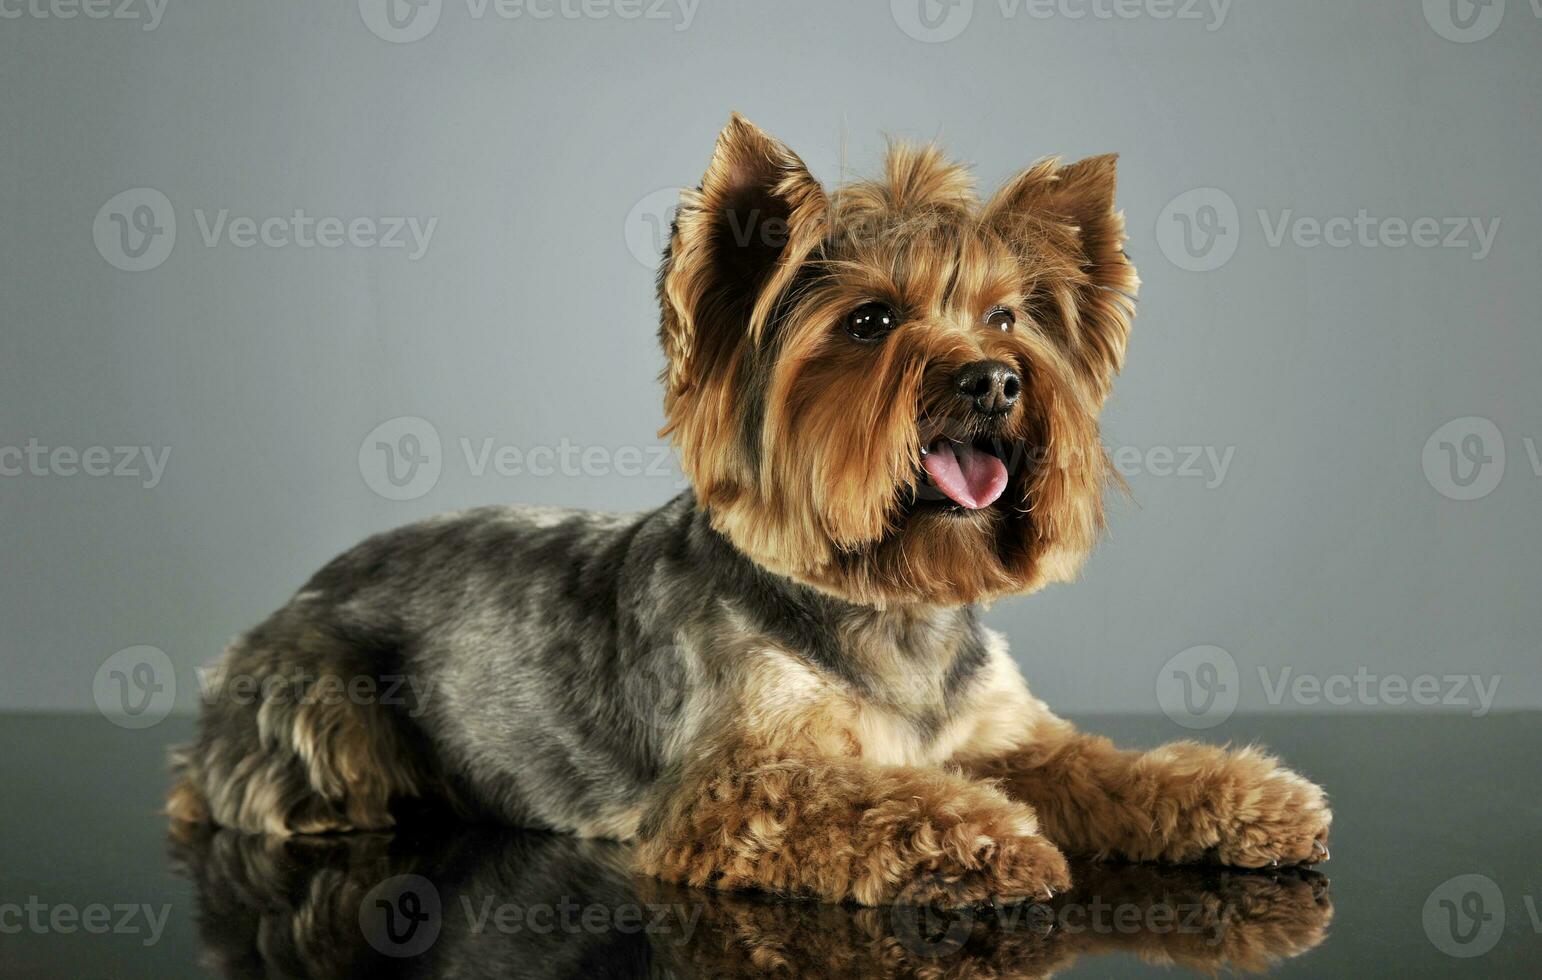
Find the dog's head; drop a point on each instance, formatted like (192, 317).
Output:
(891, 391)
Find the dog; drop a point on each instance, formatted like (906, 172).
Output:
(886, 398)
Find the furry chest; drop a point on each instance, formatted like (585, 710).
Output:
(902, 718)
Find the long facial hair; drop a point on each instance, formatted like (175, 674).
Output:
(804, 444)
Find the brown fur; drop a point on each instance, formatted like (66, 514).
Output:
(805, 792)
(1183, 802)
(915, 766)
(813, 791)
(1207, 922)
(838, 829)
(816, 498)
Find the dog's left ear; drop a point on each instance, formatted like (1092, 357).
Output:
(1062, 222)
(736, 244)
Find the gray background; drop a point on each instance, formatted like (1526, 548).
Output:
(529, 321)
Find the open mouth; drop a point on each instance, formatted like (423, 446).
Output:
(961, 476)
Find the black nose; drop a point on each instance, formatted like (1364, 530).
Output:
(992, 385)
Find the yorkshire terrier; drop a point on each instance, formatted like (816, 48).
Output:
(886, 399)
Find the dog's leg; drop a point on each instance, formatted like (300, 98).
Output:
(1181, 802)
(284, 747)
(838, 829)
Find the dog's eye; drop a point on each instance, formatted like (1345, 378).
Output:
(1001, 318)
(871, 321)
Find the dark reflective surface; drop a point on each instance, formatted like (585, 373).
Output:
(490, 904)
(1437, 840)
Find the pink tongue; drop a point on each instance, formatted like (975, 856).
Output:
(969, 477)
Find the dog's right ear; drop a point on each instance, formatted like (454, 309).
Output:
(1068, 211)
(737, 241)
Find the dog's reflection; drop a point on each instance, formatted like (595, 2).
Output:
(485, 903)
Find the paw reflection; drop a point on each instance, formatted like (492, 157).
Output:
(475, 903)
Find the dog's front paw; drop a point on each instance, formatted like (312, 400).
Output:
(1008, 869)
(1267, 815)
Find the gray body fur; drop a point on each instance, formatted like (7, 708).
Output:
(559, 664)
